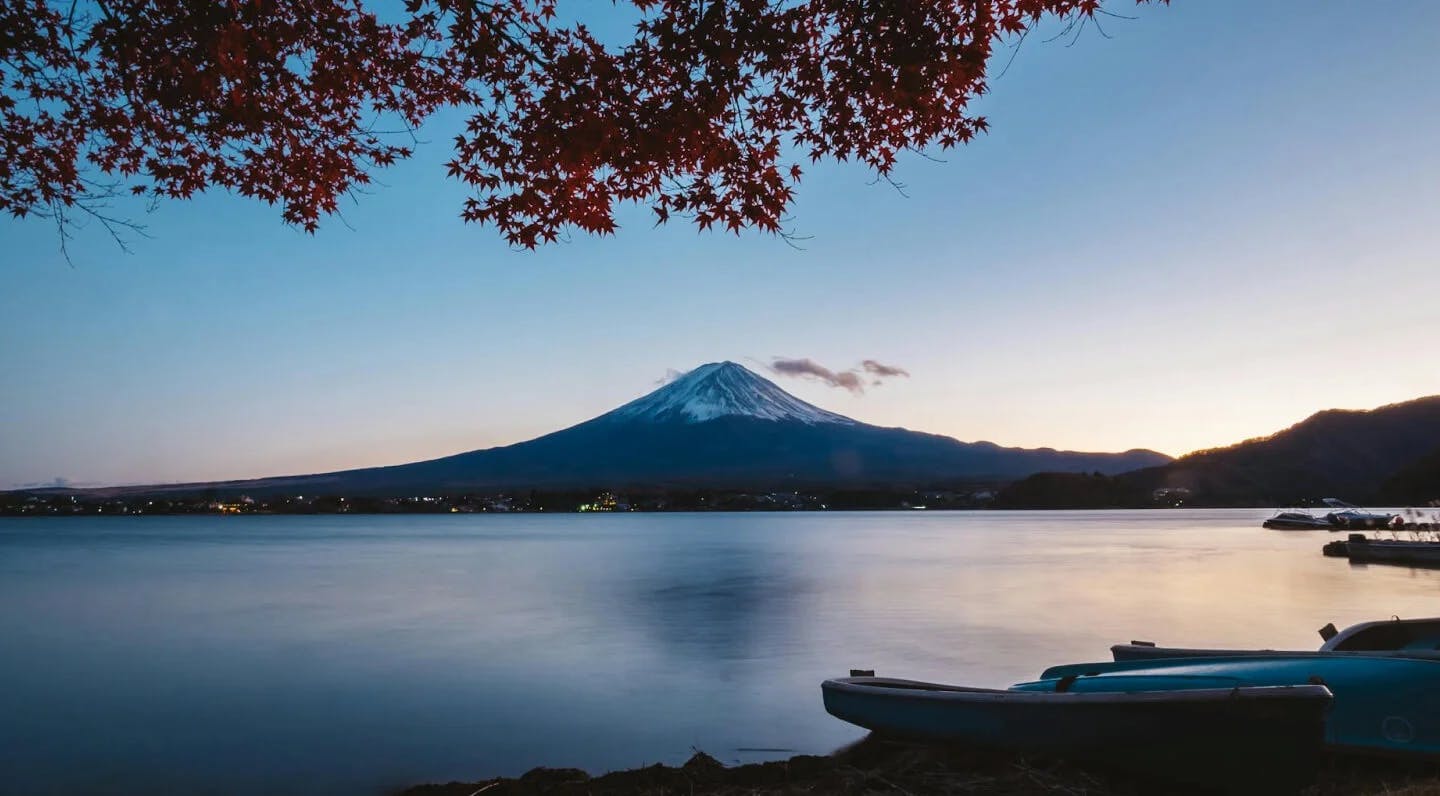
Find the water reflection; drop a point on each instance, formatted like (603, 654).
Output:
(721, 599)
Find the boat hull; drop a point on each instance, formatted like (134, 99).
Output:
(1383, 704)
(1297, 525)
(1266, 739)
(1382, 551)
(1297, 521)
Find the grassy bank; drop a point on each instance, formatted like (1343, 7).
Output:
(876, 767)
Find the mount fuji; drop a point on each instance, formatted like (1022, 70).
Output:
(722, 389)
(719, 425)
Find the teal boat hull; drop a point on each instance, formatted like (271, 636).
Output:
(1383, 705)
(1213, 734)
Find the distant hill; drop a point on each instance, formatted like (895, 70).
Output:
(1354, 455)
(720, 425)
(1416, 484)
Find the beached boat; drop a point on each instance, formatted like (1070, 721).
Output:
(1297, 521)
(1184, 728)
(1397, 638)
(1383, 705)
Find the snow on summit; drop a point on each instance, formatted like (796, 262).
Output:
(723, 389)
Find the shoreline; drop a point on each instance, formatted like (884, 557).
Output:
(876, 766)
(91, 511)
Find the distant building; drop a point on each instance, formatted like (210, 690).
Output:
(1170, 495)
(606, 502)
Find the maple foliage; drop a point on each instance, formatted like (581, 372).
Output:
(701, 114)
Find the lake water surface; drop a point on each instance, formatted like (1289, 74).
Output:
(360, 654)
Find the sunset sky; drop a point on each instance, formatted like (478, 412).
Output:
(1215, 223)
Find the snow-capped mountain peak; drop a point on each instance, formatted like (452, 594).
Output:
(723, 389)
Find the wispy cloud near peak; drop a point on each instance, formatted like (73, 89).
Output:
(852, 379)
(881, 370)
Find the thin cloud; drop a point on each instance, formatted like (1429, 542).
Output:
(881, 370)
(852, 379)
(810, 369)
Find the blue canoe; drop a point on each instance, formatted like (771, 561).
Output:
(1382, 704)
(1193, 729)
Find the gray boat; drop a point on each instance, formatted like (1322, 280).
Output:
(1346, 516)
(1196, 730)
(1353, 518)
(1298, 521)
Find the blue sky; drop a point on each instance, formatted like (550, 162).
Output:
(1205, 228)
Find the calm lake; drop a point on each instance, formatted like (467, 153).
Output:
(359, 654)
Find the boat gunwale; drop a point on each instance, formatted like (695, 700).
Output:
(1146, 651)
(1168, 653)
(922, 691)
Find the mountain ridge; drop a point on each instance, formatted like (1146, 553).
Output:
(1386, 455)
(1341, 452)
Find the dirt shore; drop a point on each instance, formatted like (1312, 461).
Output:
(877, 767)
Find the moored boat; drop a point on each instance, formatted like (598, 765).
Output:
(1196, 729)
(1297, 521)
(1416, 553)
(1384, 705)
(1352, 517)
(1346, 516)
(1360, 520)
(1400, 638)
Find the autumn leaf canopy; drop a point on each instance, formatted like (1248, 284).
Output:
(708, 112)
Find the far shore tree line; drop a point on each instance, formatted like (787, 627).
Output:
(1038, 491)
(55, 503)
